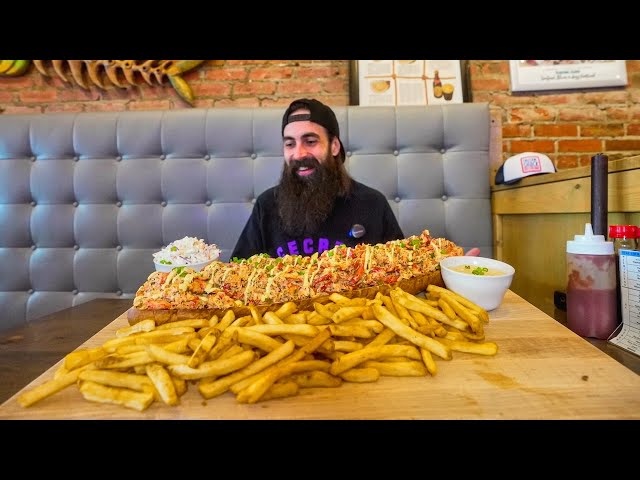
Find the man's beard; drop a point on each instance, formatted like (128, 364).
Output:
(304, 203)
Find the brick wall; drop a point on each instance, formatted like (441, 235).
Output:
(569, 127)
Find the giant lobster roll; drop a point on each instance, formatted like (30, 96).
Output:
(266, 283)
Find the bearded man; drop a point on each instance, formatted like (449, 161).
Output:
(316, 205)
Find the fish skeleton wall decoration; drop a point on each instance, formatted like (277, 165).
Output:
(120, 73)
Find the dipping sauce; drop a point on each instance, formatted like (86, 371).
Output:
(477, 270)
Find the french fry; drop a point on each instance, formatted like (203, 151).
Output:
(214, 368)
(350, 331)
(161, 355)
(446, 308)
(482, 313)
(429, 363)
(271, 318)
(486, 348)
(316, 378)
(50, 387)
(412, 303)
(257, 339)
(360, 375)
(383, 338)
(287, 308)
(469, 317)
(96, 392)
(347, 346)
(221, 385)
(205, 346)
(83, 357)
(142, 326)
(415, 337)
(110, 378)
(295, 318)
(163, 383)
(257, 317)
(191, 322)
(255, 390)
(411, 368)
(353, 359)
(284, 328)
(347, 313)
(281, 390)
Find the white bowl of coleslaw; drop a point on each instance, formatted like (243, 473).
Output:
(189, 252)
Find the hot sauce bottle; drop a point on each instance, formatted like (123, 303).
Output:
(591, 285)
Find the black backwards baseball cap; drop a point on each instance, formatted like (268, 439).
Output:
(516, 167)
(318, 113)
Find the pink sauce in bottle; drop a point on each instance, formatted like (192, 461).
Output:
(591, 286)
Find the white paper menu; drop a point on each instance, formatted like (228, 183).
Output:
(628, 337)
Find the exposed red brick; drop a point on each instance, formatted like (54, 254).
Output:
(490, 83)
(516, 130)
(249, 102)
(542, 146)
(337, 86)
(38, 96)
(610, 98)
(64, 107)
(633, 129)
(579, 145)
(226, 74)
(564, 162)
(108, 106)
(254, 88)
(532, 114)
(149, 105)
(217, 89)
(504, 99)
(298, 87)
(605, 130)
(581, 114)
(561, 130)
(20, 109)
(271, 73)
(612, 145)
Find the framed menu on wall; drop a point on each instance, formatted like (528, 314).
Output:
(408, 82)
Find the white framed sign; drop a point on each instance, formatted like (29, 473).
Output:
(407, 82)
(534, 75)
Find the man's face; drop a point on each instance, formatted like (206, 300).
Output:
(311, 178)
(304, 141)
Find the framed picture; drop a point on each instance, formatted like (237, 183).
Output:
(408, 82)
(528, 75)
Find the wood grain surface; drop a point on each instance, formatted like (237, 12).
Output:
(542, 371)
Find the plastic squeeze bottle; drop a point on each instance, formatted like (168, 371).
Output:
(591, 285)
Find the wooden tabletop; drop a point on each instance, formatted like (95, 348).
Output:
(542, 371)
(29, 350)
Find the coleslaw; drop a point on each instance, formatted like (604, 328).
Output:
(187, 251)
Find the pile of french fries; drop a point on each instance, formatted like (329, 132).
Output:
(260, 357)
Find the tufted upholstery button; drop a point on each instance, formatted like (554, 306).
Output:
(119, 248)
(76, 158)
(119, 292)
(33, 247)
(33, 158)
(397, 199)
(30, 291)
(164, 204)
(76, 247)
(444, 198)
(254, 156)
(163, 156)
(74, 291)
(442, 150)
(207, 157)
(33, 203)
(118, 203)
(208, 203)
(396, 153)
(348, 153)
(75, 204)
(253, 200)
(119, 158)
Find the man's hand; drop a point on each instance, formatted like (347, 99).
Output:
(474, 252)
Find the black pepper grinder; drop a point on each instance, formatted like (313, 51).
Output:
(599, 194)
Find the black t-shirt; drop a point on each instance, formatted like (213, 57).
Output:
(364, 206)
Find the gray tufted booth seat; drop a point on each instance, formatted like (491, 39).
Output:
(86, 198)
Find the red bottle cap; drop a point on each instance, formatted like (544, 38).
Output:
(623, 231)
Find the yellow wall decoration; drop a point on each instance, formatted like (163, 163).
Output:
(119, 73)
